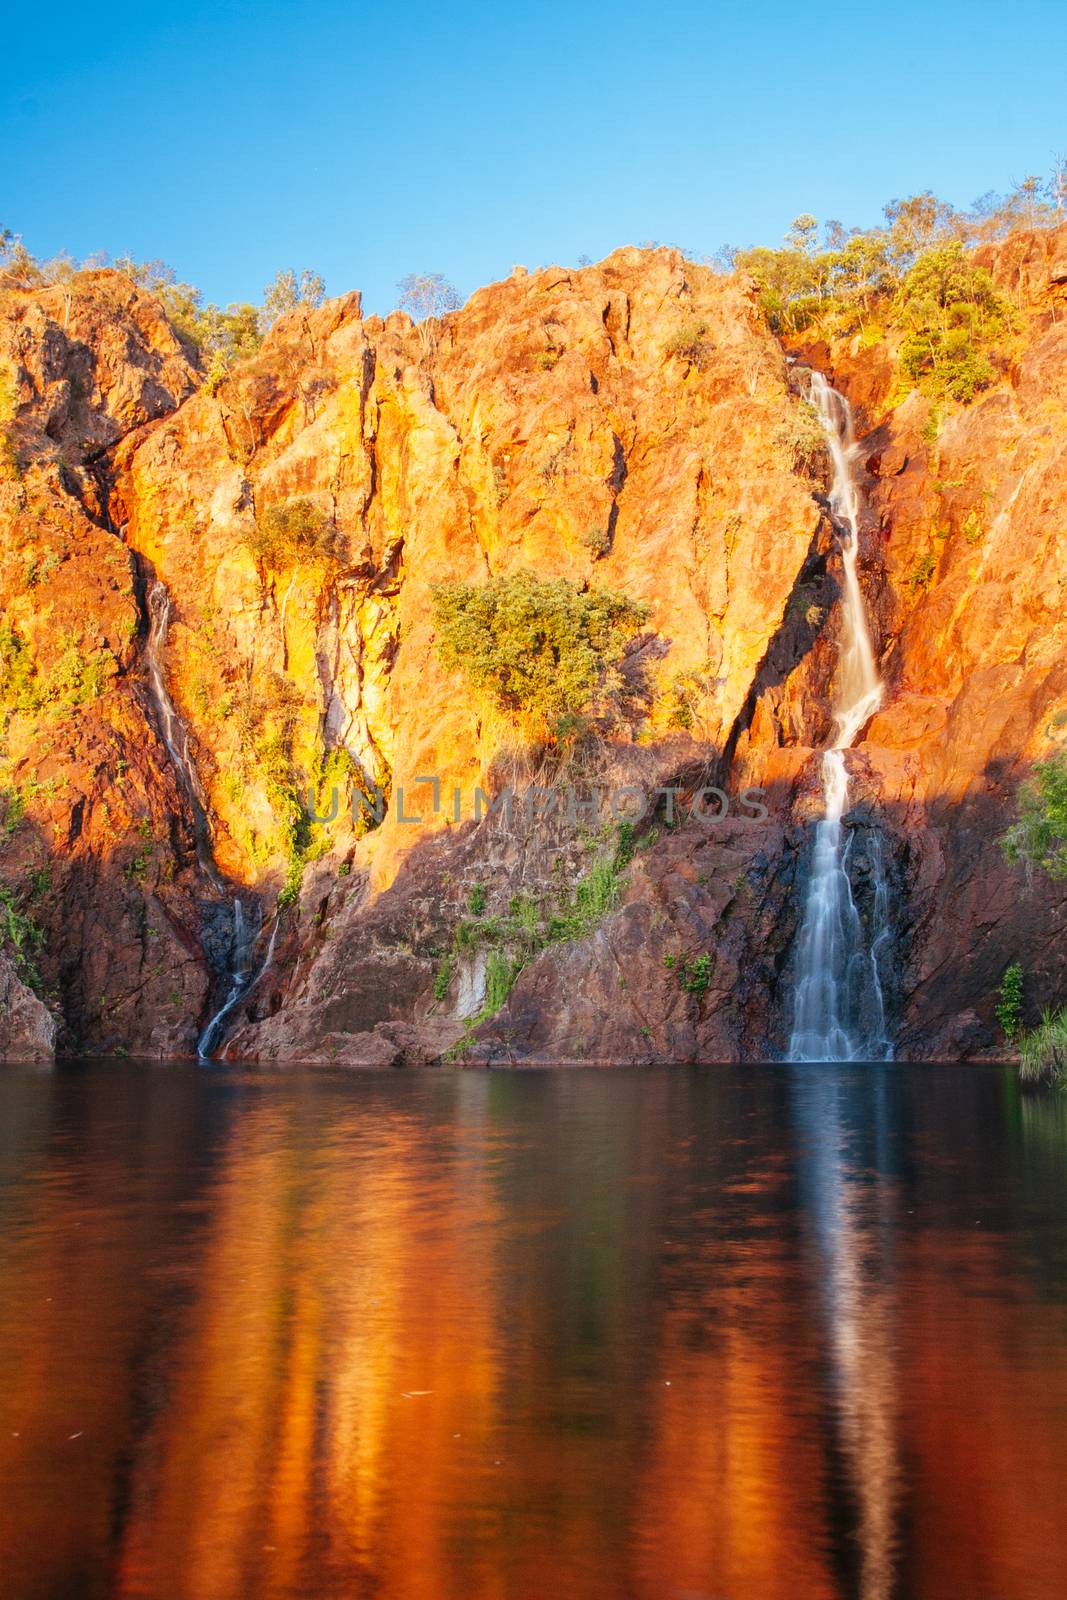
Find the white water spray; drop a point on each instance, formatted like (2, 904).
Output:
(839, 1011)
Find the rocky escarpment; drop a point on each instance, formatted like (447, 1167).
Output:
(633, 425)
(626, 426)
(94, 843)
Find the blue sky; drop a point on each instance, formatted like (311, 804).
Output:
(369, 142)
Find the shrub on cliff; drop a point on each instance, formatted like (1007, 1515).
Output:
(19, 690)
(803, 438)
(692, 345)
(20, 935)
(297, 530)
(8, 410)
(217, 338)
(1009, 1007)
(542, 649)
(1040, 835)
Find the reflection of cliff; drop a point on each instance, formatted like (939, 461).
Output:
(104, 1204)
(323, 1368)
(482, 1336)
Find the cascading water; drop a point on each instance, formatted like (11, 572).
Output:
(839, 1009)
(244, 976)
(242, 930)
(173, 730)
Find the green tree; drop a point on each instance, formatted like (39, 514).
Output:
(803, 234)
(290, 291)
(219, 339)
(542, 649)
(16, 259)
(954, 317)
(915, 224)
(1040, 834)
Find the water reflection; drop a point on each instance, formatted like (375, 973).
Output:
(847, 1183)
(741, 1332)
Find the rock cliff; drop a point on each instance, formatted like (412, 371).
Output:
(632, 425)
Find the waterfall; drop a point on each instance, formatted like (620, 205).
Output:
(243, 975)
(173, 729)
(839, 1010)
(231, 948)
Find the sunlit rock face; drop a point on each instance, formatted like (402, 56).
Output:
(967, 573)
(94, 841)
(628, 426)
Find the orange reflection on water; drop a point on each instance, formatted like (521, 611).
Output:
(462, 1337)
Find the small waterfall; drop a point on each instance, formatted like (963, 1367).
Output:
(839, 1010)
(244, 976)
(230, 948)
(173, 729)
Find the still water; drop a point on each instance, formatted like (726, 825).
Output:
(735, 1333)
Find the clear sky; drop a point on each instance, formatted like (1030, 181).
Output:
(367, 142)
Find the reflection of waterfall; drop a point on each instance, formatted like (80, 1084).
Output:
(850, 1198)
(839, 1012)
(242, 923)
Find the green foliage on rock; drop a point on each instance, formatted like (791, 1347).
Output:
(532, 923)
(219, 337)
(443, 977)
(8, 407)
(954, 319)
(20, 935)
(802, 437)
(692, 345)
(76, 677)
(542, 649)
(693, 972)
(19, 689)
(911, 278)
(297, 530)
(922, 573)
(1040, 834)
(1043, 1050)
(1009, 1006)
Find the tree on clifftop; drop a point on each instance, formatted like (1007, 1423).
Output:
(289, 291)
(427, 295)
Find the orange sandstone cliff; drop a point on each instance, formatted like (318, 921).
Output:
(629, 425)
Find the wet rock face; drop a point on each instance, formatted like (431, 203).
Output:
(627, 425)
